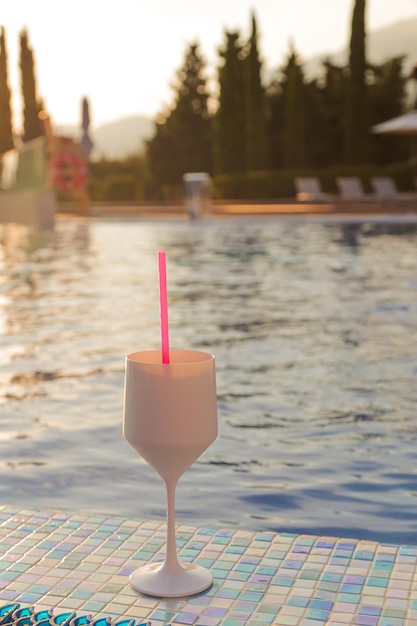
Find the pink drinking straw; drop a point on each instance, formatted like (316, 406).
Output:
(163, 301)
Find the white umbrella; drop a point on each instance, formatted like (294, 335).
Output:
(402, 125)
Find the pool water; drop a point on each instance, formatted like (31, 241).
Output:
(313, 323)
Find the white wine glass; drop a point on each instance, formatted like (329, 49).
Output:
(170, 418)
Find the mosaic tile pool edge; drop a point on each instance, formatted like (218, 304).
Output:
(81, 563)
(15, 615)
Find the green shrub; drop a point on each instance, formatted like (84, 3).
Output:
(120, 187)
(279, 184)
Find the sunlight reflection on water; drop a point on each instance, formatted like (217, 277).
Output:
(313, 326)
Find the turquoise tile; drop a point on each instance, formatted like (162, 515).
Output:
(228, 593)
(143, 555)
(310, 575)
(385, 565)
(81, 594)
(221, 540)
(377, 582)
(224, 565)
(206, 531)
(332, 578)
(94, 606)
(242, 567)
(317, 615)
(265, 618)
(264, 537)
(235, 550)
(298, 601)
(408, 551)
(364, 555)
(349, 598)
(204, 562)
(268, 571)
(349, 588)
(282, 581)
(163, 615)
(328, 586)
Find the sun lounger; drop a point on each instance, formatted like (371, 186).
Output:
(351, 188)
(386, 189)
(309, 190)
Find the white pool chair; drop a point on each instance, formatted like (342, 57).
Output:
(386, 189)
(350, 188)
(309, 190)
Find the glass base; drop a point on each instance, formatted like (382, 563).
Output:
(157, 579)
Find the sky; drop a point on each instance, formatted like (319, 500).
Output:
(123, 55)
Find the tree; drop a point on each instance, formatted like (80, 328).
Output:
(256, 140)
(325, 117)
(294, 144)
(32, 125)
(183, 134)
(229, 121)
(357, 104)
(387, 95)
(387, 91)
(164, 162)
(275, 102)
(6, 129)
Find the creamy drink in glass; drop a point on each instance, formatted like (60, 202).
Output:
(170, 418)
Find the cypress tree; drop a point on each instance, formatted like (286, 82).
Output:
(32, 125)
(6, 130)
(190, 121)
(387, 95)
(229, 122)
(294, 153)
(164, 162)
(387, 91)
(256, 139)
(357, 109)
(325, 117)
(182, 141)
(275, 102)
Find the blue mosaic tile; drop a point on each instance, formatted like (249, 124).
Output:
(296, 601)
(162, 615)
(323, 605)
(318, 615)
(370, 610)
(264, 537)
(84, 562)
(377, 582)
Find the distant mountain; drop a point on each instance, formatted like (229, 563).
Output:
(398, 39)
(118, 139)
(123, 137)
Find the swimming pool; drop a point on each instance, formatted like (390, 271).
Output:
(313, 323)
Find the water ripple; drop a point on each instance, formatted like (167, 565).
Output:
(312, 323)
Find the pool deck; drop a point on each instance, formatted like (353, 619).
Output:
(81, 563)
(241, 208)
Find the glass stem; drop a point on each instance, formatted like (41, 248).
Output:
(171, 560)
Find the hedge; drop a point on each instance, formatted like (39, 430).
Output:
(279, 184)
